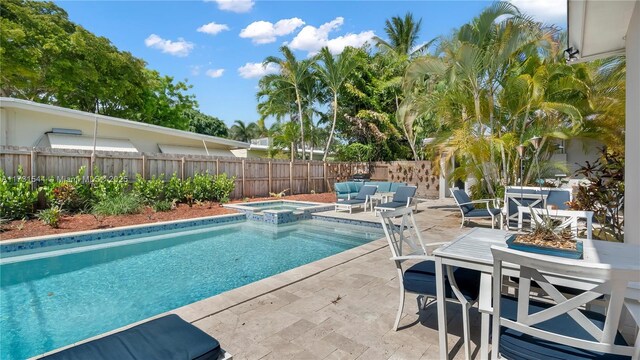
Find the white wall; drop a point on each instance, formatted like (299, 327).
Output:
(26, 127)
(632, 136)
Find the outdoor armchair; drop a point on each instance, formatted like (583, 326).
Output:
(469, 211)
(404, 239)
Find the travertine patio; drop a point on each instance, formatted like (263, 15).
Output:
(341, 307)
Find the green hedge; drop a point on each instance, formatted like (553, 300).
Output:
(19, 195)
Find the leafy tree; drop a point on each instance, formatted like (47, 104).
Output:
(355, 152)
(242, 132)
(205, 124)
(293, 74)
(403, 34)
(49, 59)
(333, 73)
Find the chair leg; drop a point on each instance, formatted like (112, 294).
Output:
(493, 222)
(400, 308)
(462, 223)
(466, 336)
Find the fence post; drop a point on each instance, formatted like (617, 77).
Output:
(243, 163)
(291, 177)
(309, 176)
(144, 166)
(182, 168)
(270, 179)
(33, 172)
(217, 167)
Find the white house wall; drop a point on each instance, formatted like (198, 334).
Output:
(25, 128)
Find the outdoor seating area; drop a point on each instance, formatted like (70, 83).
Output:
(324, 182)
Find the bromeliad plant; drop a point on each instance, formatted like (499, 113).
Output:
(548, 232)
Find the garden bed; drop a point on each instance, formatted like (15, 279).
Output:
(82, 222)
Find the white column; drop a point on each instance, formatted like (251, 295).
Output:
(632, 136)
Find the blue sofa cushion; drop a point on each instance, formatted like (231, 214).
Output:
(168, 337)
(341, 188)
(354, 187)
(382, 186)
(420, 279)
(516, 345)
(462, 198)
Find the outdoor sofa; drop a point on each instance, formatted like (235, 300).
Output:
(167, 337)
(349, 190)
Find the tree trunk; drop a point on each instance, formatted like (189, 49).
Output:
(301, 122)
(333, 125)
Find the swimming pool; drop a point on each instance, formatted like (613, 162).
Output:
(51, 299)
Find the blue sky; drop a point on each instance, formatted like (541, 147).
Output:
(218, 44)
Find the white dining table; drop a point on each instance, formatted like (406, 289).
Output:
(472, 250)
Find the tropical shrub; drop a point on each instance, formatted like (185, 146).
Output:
(202, 187)
(173, 189)
(51, 216)
(17, 199)
(120, 204)
(603, 193)
(355, 152)
(222, 187)
(105, 188)
(149, 191)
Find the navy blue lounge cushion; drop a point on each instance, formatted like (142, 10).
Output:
(351, 202)
(516, 345)
(393, 205)
(168, 337)
(421, 279)
(482, 212)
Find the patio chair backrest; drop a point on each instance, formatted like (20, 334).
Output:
(461, 197)
(403, 238)
(602, 280)
(404, 193)
(366, 191)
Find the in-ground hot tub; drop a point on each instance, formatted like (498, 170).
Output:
(279, 211)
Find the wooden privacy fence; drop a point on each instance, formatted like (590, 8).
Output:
(254, 177)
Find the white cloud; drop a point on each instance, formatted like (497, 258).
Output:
(256, 70)
(180, 48)
(264, 32)
(312, 39)
(546, 11)
(237, 6)
(354, 40)
(214, 73)
(212, 28)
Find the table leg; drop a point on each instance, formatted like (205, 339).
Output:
(484, 305)
(442, 310)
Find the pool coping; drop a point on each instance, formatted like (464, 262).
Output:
(243, 207)
(211, 306)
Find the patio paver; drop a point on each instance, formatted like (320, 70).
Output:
(341, 307)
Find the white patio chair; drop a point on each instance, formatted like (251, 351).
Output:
(405, 242)
(529, 329)
(469, 211)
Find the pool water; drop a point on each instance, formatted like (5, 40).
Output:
(52, 301)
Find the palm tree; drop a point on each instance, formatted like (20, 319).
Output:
(403, 34)
(333, 73)
(242, 132)
(293, 73)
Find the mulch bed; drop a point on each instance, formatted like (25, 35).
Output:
(33, 227)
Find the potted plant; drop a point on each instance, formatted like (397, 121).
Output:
(549, 237)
